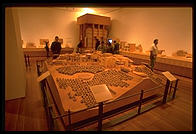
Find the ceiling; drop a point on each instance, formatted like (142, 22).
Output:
(98, 10)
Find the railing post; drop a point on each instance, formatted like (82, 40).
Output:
(28, 61)
(170, 87)
(175, 89)
(140, 101)
(166, 91)
(100, 116)
(25, 60)
(51, 121)
(69, 120)
(38, 69)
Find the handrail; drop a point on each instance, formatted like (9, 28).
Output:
(71, 113)
(75, 112)
(132, 95)
(153, 88)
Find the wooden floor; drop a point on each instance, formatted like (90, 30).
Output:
(27, 114)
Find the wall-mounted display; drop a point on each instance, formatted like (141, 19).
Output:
(43, 42)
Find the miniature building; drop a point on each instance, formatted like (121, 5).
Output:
(131, 47)
(139, 48)
(91, 26)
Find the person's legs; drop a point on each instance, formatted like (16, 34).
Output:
(55, 55)
(77, 50)
(47, 54)
(152, 61)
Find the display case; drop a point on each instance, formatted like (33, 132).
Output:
(91, 26)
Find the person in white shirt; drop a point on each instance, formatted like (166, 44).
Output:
(153, 53)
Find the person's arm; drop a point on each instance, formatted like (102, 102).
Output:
(60, 46)
(79, 45)
(112, 48)
(161, 51)
(98, 48)
(52, 47)
(104, 49)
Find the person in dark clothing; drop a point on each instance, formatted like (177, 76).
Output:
(79, 46)
(97, 43)
(109, 48)
(102, 47)
(47, 49)
(116, 47)
(56, 47)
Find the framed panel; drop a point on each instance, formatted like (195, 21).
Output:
(43, 41)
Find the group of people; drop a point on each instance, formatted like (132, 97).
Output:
(107, 47)
(103, 47)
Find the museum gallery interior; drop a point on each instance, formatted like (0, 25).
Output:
(98, 68)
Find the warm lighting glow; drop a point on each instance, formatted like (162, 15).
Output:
(85, 11)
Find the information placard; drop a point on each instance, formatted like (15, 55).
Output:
(169, 76)
(43, 76)
(101, 93)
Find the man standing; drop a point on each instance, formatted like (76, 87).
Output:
(97, 43)
(109, 48)
(101, 47)
(56, 47)
(79, 47)
(47, 49)
(116, 47)
(153, 53)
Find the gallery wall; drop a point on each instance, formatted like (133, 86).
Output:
(172, 26)
(45, 23)
(15, 76)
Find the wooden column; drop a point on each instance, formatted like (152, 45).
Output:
(103, 34)
(93, 36)
(98, 31)
(84, 34)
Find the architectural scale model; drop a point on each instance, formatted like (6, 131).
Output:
(74, 74)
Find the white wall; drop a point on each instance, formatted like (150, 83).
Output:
(15, 77)
(46, 22)
(172, 26)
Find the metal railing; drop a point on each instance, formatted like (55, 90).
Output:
(27, 61)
